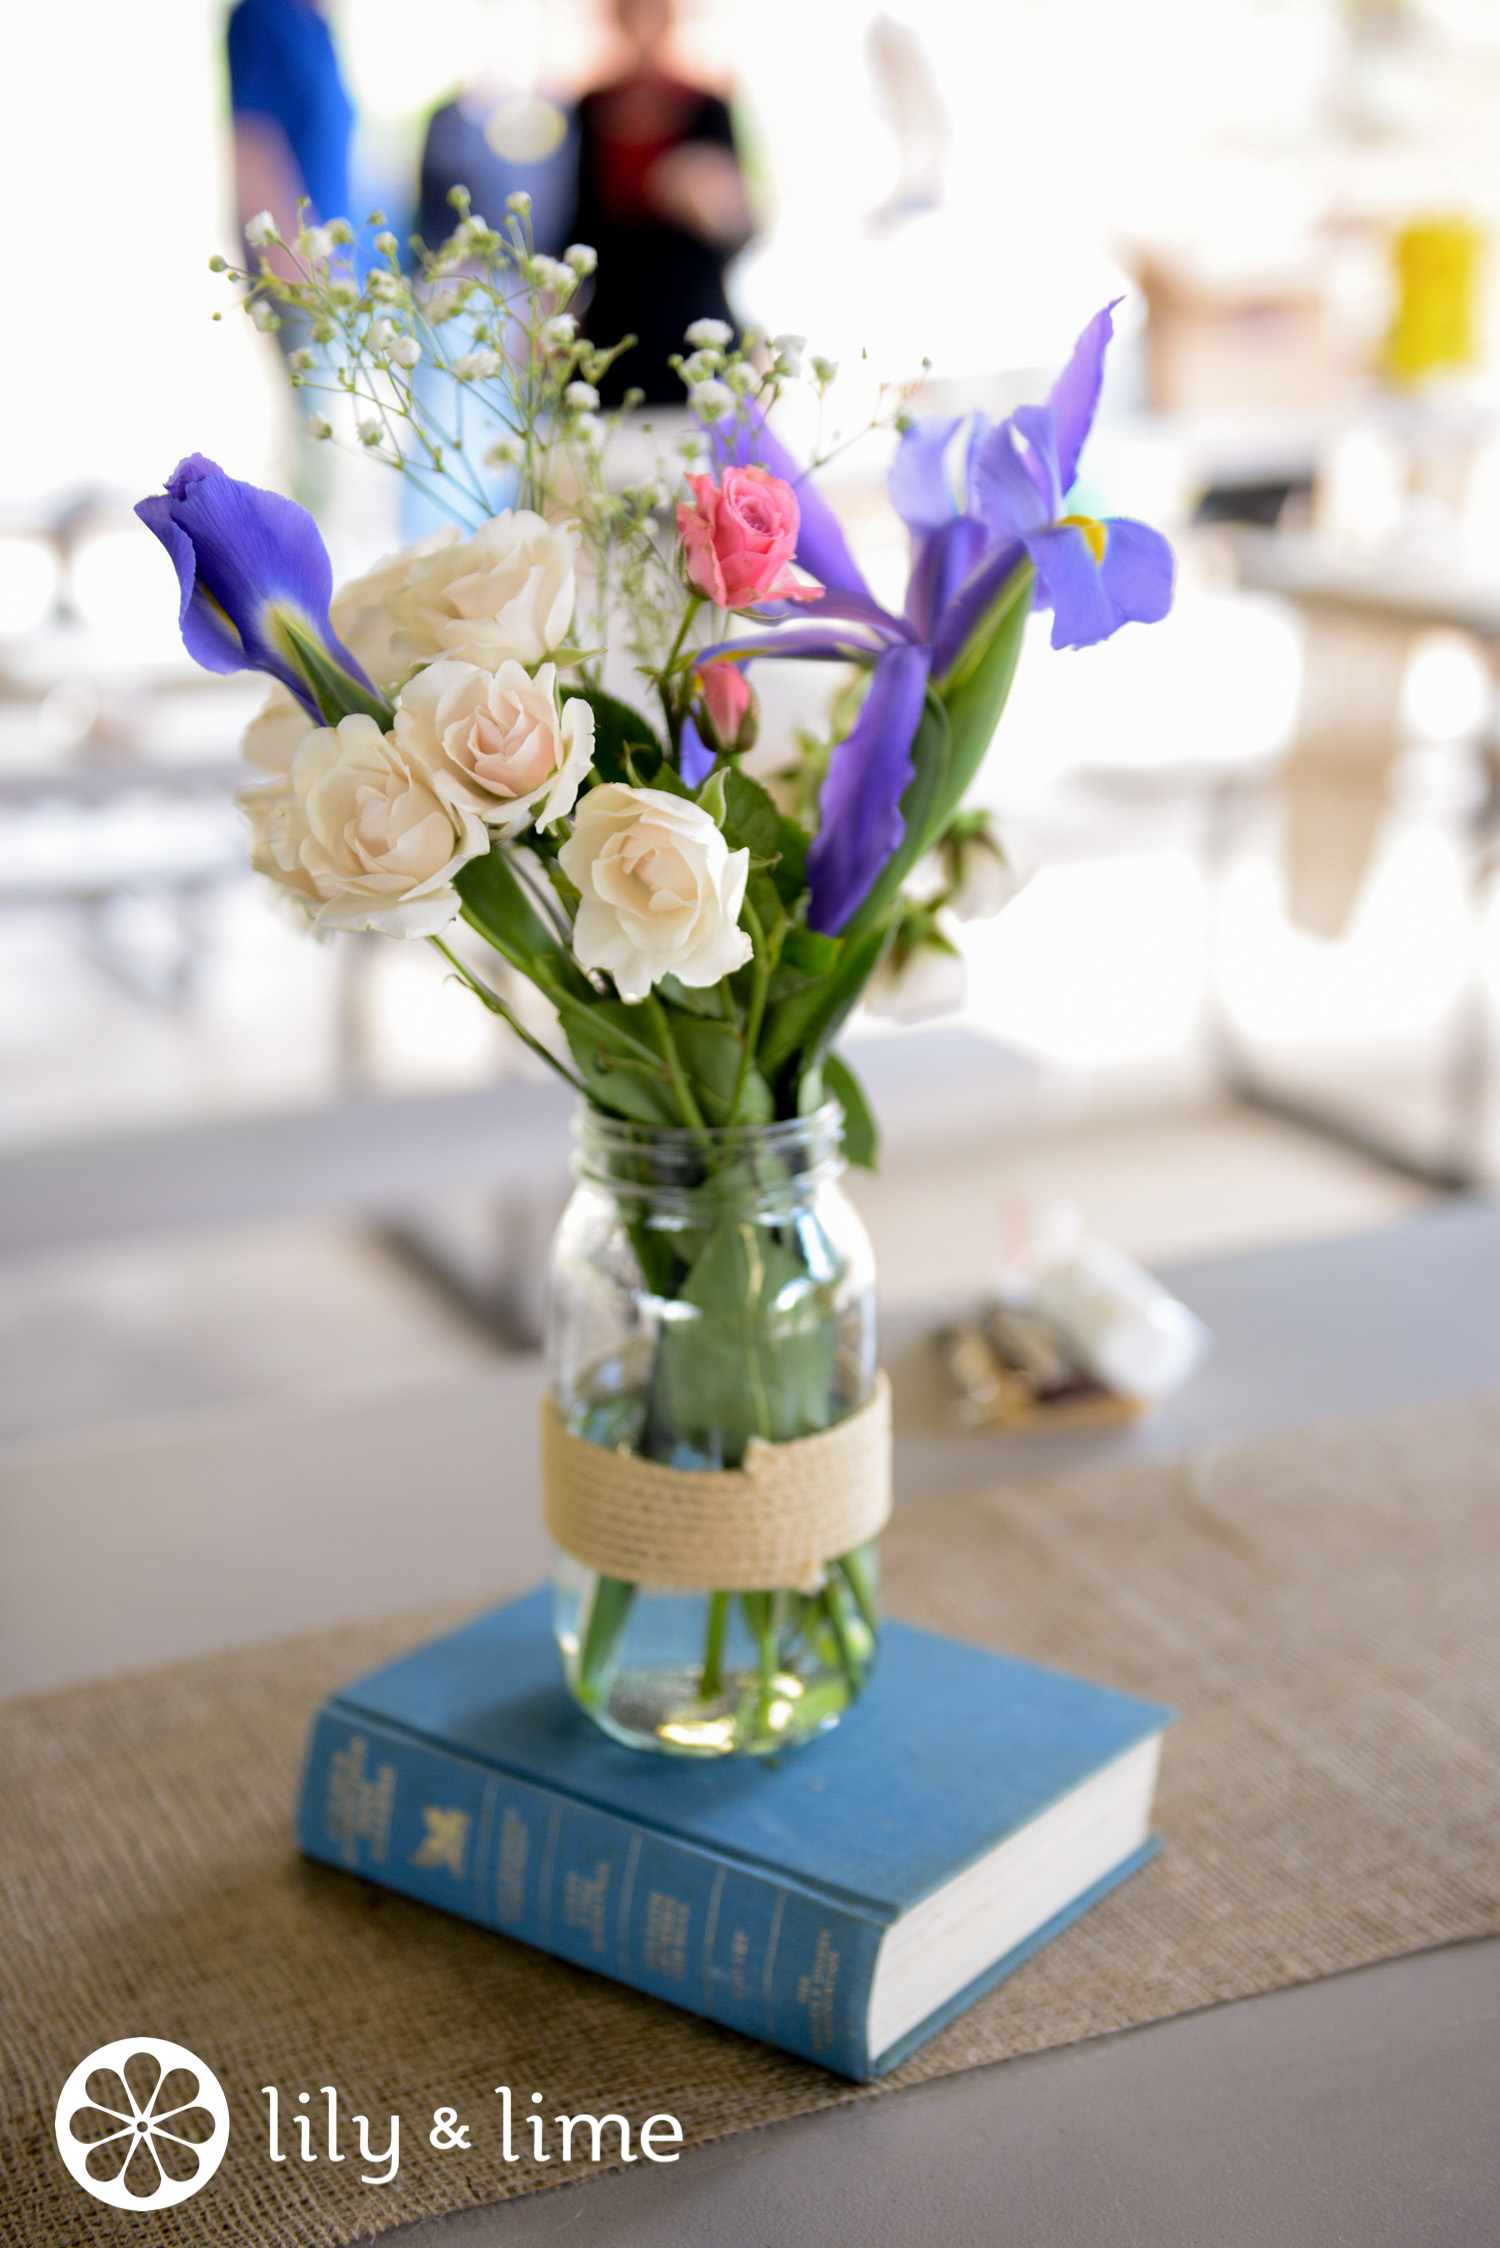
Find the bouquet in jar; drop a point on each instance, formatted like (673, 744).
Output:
(535, 723)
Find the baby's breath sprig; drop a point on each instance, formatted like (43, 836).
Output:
(521, 403)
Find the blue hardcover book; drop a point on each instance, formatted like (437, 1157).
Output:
(843, 1902)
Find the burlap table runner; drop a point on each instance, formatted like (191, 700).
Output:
(1321, 1608)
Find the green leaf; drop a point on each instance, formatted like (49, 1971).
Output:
(713, 1055)
(496, 904)
(756, 1361)
(609, 1612)
(617, 731)
(765, 900)
(976, 689)
(335, 691)
(810, 953)
(806, 958)
(805, 1024)
(626, 1084)
(861, 1133)
(752, 820)
(711, 796)
(692, 1001)
(790, 871)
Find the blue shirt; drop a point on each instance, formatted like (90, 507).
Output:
(282, 65)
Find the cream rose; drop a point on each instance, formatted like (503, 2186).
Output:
(276, 733)
(364, 613)
(496, 743)
(661, 890)
(271, 742)
(506, 594)
(361, 836)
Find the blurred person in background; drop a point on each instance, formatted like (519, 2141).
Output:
(293, 122)
(293, 118)
(662, 200)
(498, 136)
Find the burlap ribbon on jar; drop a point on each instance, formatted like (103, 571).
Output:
(776, 1521)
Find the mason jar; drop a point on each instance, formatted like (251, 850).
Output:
(708, 1290)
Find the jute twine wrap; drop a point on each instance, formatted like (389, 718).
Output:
(775, 1521)
(1319, 1607)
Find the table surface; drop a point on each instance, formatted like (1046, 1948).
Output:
(1343, 2111)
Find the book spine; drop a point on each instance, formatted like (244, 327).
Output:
(723, 1939)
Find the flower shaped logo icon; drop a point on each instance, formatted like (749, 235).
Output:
(142, 2123)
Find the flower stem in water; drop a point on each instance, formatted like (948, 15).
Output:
(711, 1683)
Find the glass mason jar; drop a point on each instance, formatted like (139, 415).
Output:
(706, 1287)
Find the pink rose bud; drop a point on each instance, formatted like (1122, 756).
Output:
(738, 538)
(729, 700)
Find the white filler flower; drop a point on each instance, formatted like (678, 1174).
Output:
(506, 594)
(360, 836)
(495, 742)
(661, 890)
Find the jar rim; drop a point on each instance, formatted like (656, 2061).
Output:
(782, 1132)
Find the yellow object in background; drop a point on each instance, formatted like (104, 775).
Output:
(1438, 264)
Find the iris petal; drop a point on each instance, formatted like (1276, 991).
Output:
(1138, 570)
(860, 823)
(249, 563)
(1037, 428)
(1003, 492)
(919, 485)
(1075, 394)
(695, 760)
(972, 601)
(943, 563)
(207, 634)
(1072, 583)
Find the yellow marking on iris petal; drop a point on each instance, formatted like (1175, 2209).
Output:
(1094, 532)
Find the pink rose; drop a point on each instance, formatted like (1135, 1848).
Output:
(738, 538)
(729, 701)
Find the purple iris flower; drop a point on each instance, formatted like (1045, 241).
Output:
(860, 827)
(978, 499)
(981, 502)
(695, 760)
(256, 582)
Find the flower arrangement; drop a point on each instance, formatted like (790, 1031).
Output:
(537, 721)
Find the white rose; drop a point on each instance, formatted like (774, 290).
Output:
(505, 594)
(495, 742)
(361, 835)
(661, 890)
(271, 742)
(276, 733)
(362, 613)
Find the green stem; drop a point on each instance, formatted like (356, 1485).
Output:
(830, 1602)
(711, 1683)
(497, 1006)
(670, 701)
(692, 1113)
(760, 1614)
(855, 1573)
(765, 967)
